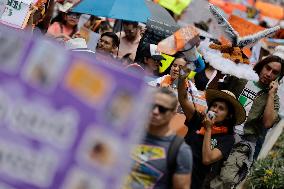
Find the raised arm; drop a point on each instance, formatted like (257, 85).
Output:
(187, 106)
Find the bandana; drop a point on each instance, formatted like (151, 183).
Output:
(215, 130)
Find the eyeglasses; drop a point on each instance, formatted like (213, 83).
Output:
(76, 16)
(161, 109)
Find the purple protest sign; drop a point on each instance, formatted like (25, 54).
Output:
(66, 121)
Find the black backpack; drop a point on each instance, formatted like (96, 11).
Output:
(172, 155)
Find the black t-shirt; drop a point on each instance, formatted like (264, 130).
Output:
(201, 80)
(223, 142)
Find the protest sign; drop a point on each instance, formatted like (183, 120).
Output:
(16, 13)
(2, 6)
(156, 31)
(66, 121)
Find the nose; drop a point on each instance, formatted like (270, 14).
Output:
(214, 109)
(269, 73)
(101, 43)
(176, 69)
(155, 110)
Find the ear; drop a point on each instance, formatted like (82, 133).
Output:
(114, 50)
(173, 114)
(145, 60)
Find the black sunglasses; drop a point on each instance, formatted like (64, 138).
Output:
(161, 109)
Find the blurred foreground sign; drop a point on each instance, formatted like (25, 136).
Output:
(66, 121)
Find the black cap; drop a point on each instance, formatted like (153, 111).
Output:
(150, 51)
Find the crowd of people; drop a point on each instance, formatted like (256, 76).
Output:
(221, 144)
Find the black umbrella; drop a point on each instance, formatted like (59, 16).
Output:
(160, 14)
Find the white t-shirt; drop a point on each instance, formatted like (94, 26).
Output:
(246, 98)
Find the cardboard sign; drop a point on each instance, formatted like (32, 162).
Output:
(62, 125)
(16, 13)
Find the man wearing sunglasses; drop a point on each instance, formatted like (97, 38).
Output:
(152, 168)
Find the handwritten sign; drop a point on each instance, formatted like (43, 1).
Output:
(16, 12)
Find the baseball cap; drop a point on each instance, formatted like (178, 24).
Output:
(150, 51)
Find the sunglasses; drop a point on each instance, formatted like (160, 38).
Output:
(72, 15)
(161, 109)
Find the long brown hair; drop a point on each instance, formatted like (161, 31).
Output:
(272, 58)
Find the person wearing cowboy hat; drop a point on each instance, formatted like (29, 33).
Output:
(210, 135)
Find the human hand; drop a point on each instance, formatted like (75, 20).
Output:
(207, 121)
(273, 87)
(165, 85)
(184, 72)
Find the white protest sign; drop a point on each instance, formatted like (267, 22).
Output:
(3, 4)
(15, 12)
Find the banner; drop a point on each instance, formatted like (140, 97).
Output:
(16, 13)
(66, 121)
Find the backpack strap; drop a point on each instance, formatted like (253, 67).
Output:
(172, 154)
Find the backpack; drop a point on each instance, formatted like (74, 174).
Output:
(172, 155)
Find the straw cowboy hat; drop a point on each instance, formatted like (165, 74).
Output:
(240, 113)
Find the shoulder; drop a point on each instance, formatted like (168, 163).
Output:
(225, 144)
(184, 159)
(54, 27)
(195, 121)
(185, 150)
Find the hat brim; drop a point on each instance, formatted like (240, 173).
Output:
(240, 113)
(158, 57)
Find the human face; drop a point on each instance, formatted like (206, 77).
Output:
(162, 110)
(221, 111)
(106, 44)
(72, 19)
(130, 31)
(152, 64)
(269, 72)
(177, 65)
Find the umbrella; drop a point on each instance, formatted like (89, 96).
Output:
(132, 10)
(160, 14)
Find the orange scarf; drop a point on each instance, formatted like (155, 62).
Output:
(168, 81)
(214, 130)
